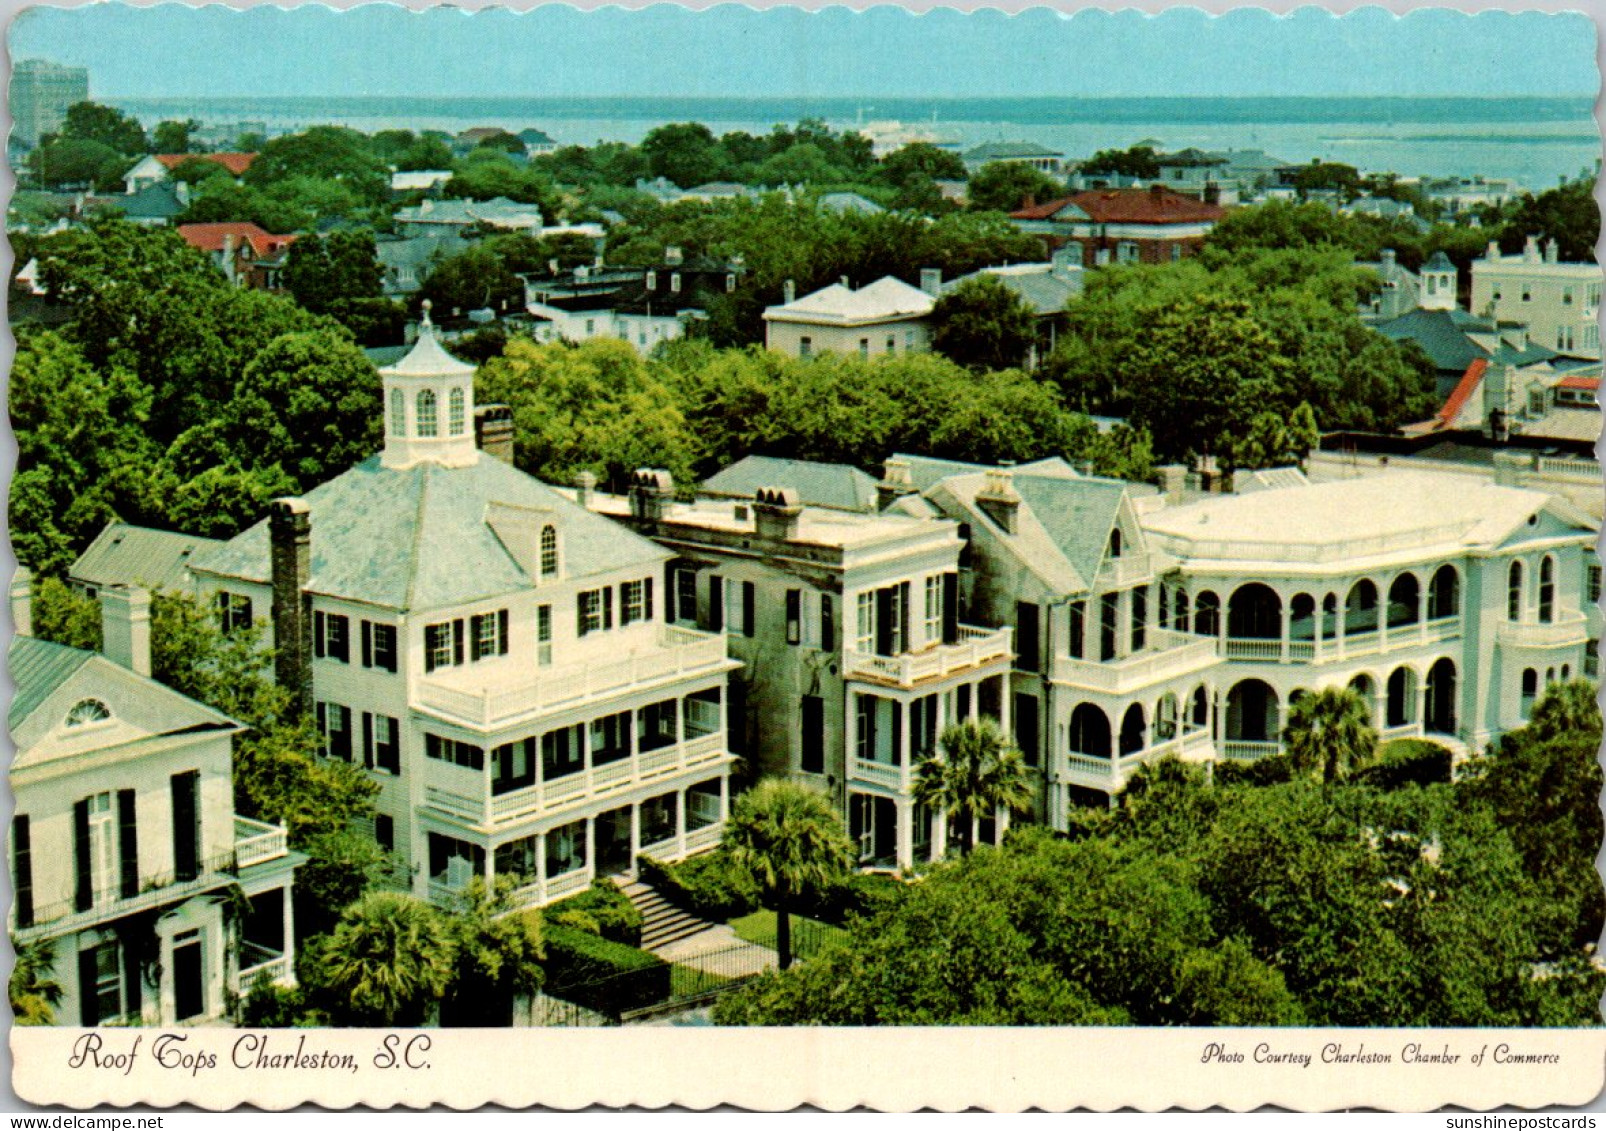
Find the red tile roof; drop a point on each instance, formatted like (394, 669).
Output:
(1130, 206)
(235, 163)
(1579, 381)
(210, 237)
(1464, 389)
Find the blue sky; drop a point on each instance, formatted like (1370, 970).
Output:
(557, 50)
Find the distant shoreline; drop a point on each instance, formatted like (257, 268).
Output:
(1025, 111)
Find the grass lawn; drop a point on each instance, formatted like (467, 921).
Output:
(809, 936)
(688, 981)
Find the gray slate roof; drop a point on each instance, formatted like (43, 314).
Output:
(153, 202)
(1437, 332)
(1044, 291)
(835, 485)
(38, 667)
(136, 555)
(416, 538)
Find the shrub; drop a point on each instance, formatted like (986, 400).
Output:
(707, 886)
(861, 895)
(605, 976)
(1264, 771)
(601, 910)
(1408, 761)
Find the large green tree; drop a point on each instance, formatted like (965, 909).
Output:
(91, 121)
(790, 840)
(1005, 186)
(498, 957)
(982, 324)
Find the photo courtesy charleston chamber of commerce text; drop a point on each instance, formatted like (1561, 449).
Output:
(764, 556)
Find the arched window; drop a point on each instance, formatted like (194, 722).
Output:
(456, 423)
(1115, 542)
(426, 412)
(1514, 592)
(549, 552)
(1180, 613)
(1404, 601)
(1330, 616)
(1530, 689)
(1360, 608)
(88, 711)
(398, 413)
(1207, 614)
(1547, 589)
(1444, 593)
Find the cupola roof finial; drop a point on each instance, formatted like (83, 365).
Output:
(428, 325)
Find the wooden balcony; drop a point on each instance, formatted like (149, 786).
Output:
(1167, 655)
(1367, 642)
(460, 792)
(1111, 773)
(975, 648)
(454, 695)
(1568, 630)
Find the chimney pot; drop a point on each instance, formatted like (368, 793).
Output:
(651, 490)
(585, 484)
(777, 512)
(125, 627)
(1173, 481)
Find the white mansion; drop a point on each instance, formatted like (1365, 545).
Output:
(494, 655)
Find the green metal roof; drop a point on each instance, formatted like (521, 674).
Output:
(416, 538)
(836, 485)
(38, 668)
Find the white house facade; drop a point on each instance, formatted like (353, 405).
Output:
(1559, 302)
(155, 901)
(495, 656)
(886, 318)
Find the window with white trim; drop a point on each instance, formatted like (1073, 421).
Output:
(865, 638)
(456, 417)
(426, 412)
(543, 634)
(398, 413)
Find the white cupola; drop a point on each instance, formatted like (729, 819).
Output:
(429, 406)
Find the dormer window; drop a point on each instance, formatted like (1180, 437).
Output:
(1115, 543)
(549, 551)
(456, 422)
(426, 412)
(88, 711)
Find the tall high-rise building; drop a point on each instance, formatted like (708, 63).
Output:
(40, 95)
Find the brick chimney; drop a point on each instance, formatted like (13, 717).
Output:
(998, 498)
(896, 482)
(789, 292)
(493, 431)
(290, 548)
(1157, 190)
(651, 490)
(776, 512)
(22, 602)
(125, 627)
(1552, 251)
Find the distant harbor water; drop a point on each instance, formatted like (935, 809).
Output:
(1534, 141)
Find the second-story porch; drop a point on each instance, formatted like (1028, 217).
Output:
(975, 651)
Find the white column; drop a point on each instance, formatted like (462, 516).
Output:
(591, 842)
(635, 834)
(905, 746)
(540, 864)
(680, 822)
(289, 936)
(939, 834)
(906, 832)
(1286, 615)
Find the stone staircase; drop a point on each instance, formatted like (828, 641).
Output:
(662, 922)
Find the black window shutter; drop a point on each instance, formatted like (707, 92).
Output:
(389, 636)
(367, 644)
(393, 756)
(429, 647)
(950, 608)
(827, 622)
(321, 711)
(131, 981)
(22, 869)
(84, 897)
(1027, 642)
(457, 641)
(813, 735)
(749, 608)
(186, 852)
(904, 612)
(223, 609)
(128, 842)
(501, 630)
(716, 603)
(474, 637)
(88, 1000)
(317, 634)
(580, 614)
(670, 613)
(368, 739)
(646, 598)
(607, 607)
(897, 733)
(794, 616)
(886, 630)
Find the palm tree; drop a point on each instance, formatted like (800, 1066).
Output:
(979, 773)
(33, 989)
(388, 961)
(1329, 734)
(788, 837)
(498, 956)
